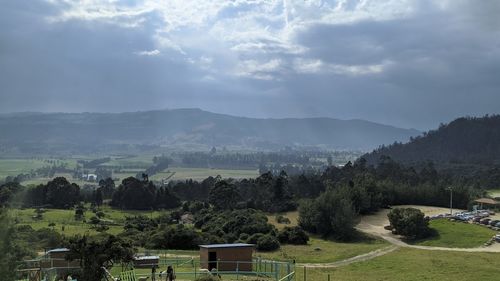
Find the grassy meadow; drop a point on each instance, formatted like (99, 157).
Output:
(406, 264)
(457, 234)
(66, 224)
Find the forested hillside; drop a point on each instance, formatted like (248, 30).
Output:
(466, 140)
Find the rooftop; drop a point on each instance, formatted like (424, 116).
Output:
(487, 201)
(235, 245)
(59, 250)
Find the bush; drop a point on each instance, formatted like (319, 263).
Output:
(331, 214)
(293, 235)
(409, 222)
(282, 219)
(267, 243)
(254, 238)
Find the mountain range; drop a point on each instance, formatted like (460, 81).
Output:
(87, 132)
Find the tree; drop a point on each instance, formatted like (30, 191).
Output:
(107, 187)
(95, 253)
(409, 222)
(224, 195)
(98, 197)
(331, 215)
(59, 193)
(7, 248)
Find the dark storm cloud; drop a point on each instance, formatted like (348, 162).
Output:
(416, 70)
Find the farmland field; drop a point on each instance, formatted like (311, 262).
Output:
(203, 173)
(14, 167)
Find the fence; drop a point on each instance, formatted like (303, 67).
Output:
(190, 269)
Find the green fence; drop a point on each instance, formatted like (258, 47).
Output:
(190, 269)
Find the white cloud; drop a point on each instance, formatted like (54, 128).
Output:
(148, 53)
(316, 66)
(259, 70)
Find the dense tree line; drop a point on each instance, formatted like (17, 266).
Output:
(143, 195)
(57, 193)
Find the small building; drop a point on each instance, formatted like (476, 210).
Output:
(227, 257)
(487, 202)
(56, 258)
(146, 262)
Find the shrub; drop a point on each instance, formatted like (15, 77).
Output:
(282, 219)
(409, 222)
(267, 243)
(293, 235)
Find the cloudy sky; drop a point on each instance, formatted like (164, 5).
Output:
(406, 63)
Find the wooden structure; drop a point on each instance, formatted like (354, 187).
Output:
(56, 258)
(146, 261)
(227, 257)
(492, 203)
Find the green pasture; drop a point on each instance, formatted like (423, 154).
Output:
(406, 264)
(457, 234)
(323, 251)
(14, 167)
(66, 219)
(203, 173)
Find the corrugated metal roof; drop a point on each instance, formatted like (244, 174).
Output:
(146, 258)
(58, 250)
(235, 245)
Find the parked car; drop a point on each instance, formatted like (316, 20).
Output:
(476, 219)
(485, 221)
(497, 238)
(498, 224)
(494, 222)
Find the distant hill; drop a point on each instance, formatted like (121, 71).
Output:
(465, 141)
(81, 132)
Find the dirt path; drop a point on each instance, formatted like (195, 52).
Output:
(360, 258)
(374, 225)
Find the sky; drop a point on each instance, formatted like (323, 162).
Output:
(407, 63)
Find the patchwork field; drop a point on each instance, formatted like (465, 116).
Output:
(203, 173)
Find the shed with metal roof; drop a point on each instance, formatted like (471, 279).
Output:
(227, 257)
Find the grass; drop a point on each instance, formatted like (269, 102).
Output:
(203, 173)
(71, 226)
(407, 264)
(457, 235)
(330, 251)
(14, 167)
(494, 193)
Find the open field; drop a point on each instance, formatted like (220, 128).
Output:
(457, 235)
(14, 167)
(203, 173)
(407, 264)
(66, 218)
(323, 251)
